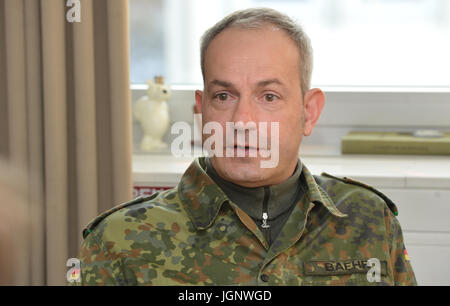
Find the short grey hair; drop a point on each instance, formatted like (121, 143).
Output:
(255, 18)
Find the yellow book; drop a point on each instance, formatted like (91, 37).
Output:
(419, 143)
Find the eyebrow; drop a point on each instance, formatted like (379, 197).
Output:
(220, 83)
(259, 84)
(268, 82)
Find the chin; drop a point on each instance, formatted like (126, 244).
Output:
(241, 170)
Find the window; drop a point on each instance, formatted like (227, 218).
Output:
(382, 59)
(356, 42)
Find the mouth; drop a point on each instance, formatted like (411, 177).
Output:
(244, 151)
(244, 147)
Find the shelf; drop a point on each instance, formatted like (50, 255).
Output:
(388, 171)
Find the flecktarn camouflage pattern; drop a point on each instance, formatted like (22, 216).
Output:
(194, 235)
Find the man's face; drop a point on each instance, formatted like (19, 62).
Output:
(252, 75)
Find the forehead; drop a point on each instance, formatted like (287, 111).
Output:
(265, 52)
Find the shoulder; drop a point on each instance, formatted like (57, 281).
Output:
(148, 210)
(345, 190)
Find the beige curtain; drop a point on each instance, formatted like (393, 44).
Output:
(65, 116)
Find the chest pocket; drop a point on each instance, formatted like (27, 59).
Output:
(351, 272)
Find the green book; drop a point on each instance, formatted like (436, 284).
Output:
(419, 143)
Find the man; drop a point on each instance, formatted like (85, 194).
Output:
(232, 222)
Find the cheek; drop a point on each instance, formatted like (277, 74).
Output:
(216, 127)
(211, 113)
(294, 123)
(289, 121)
(290, 131)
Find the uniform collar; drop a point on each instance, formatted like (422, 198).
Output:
(281, 196)
(202, 198)
(317, 194)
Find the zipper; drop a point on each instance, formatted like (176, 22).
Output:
(265, 215)
(264, 224)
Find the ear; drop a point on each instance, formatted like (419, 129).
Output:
(313, 104)
(151, 88)
(199, 100)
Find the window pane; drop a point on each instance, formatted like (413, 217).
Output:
(146, 39)
(356, 42)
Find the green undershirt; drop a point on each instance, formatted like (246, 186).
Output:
(277, 200)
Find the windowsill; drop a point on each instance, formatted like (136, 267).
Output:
(381, 171)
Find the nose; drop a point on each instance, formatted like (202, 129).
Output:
(244, 124)
(244, 110)
(164, 91)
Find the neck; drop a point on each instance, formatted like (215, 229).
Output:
(273, 199)
(271, 181)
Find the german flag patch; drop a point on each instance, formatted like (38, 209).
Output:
(406, 254)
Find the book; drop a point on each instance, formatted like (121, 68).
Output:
(408, 143)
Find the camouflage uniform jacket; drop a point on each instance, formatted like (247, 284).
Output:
(194, 235)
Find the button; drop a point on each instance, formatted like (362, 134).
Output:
(265, 278)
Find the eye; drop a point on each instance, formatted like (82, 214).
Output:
(270, 97)
(222, 96)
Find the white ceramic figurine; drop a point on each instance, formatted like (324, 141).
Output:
(152, 112)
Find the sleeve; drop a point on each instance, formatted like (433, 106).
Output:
(99, 265)
(401, 265)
